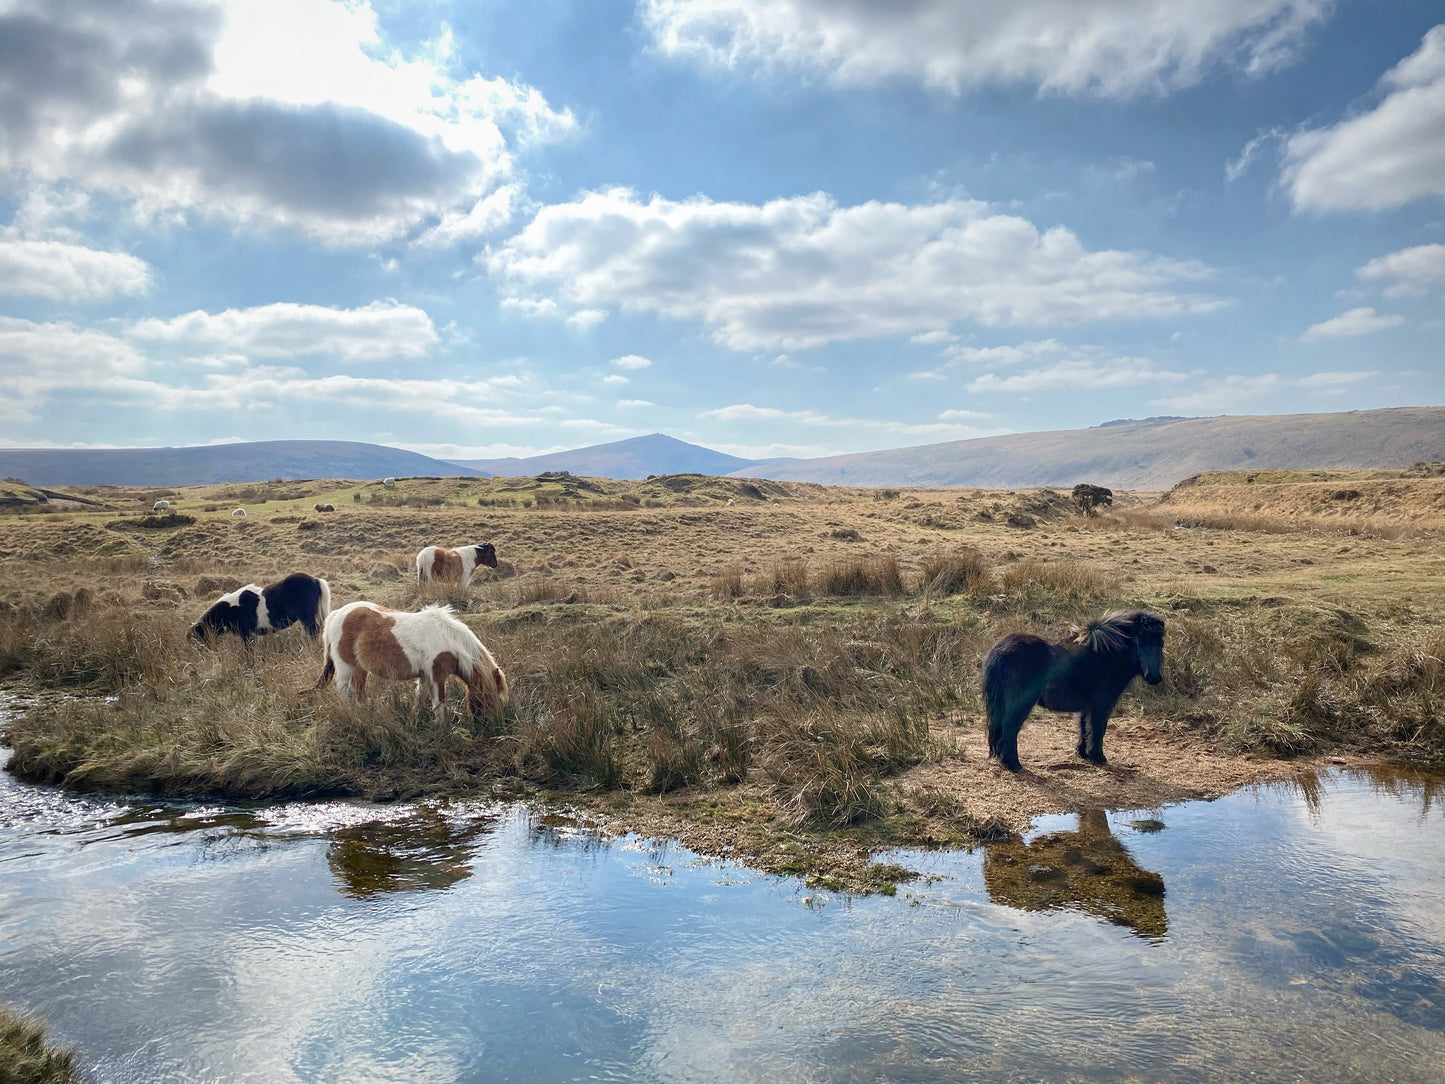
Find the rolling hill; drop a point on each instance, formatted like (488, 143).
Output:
(1151, 454)
(636, 457)
(245, 462)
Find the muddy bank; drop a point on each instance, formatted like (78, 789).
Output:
(962, 800)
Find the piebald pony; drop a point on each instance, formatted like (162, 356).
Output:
(454, 566)
(430, 645)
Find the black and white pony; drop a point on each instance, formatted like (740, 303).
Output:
(254, 611)
(1086, 673)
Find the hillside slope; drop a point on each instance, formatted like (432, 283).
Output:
(246, 462)
(1146, 455)
(636, 457)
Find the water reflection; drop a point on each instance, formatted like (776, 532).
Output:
(426, 850)
(1085, 870)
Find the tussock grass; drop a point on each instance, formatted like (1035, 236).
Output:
(27, 1057)
(856, 576)
(788, 576)
(1032, 581)
(952, 572)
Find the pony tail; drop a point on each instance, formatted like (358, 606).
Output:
(323, 607)
(995, 704)
(327, 673)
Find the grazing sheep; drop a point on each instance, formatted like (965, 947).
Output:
(388, 482)
(160, 506)
(362, 638)
(254, 611)
(454, 566)
(239, 512)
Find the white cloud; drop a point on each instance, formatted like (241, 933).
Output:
(615, 380)
(1104, 48)
(490, 214)
(1082, 373)
(1414, 270)
(59, 270)
(1388, 156)
(631, 362)
(1361, 321)
(1249, 154)
(632, 404)
(585, 318)
(380, 330)
(1247, 394)
(36, 360)
(804, 272)
(874, 430)
(961, 415)
(279, 113)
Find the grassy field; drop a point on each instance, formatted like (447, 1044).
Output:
(779, 672)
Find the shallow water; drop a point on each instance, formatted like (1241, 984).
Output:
(1282, 933)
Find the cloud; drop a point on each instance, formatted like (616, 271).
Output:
(1414, 270)
(872, 430)
(1101, 48)
(615, 380)
(374, 332)
(1249, 154)
(804, 272)
(1361, 321)
(1382, 158)
(1250, 393)
(277, 113)
(1081, 373)
(38, 359)
(630, 404)
(59, 270)
(631, 362)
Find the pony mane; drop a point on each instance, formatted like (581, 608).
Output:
(460, 640)
(1114, 630)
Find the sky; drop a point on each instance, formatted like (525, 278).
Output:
(487, 228)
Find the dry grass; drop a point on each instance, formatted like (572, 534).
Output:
(826, 678)
(27, 1057)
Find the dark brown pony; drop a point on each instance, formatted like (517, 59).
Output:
(1086, 672)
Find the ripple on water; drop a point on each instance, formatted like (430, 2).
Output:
(451, 941)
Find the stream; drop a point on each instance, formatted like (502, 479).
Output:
(1287, 932)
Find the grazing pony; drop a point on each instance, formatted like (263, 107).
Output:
(430, 645)
(254, 611)
(1086, 672)
(454, 566)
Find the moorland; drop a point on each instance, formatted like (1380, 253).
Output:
(782, 673)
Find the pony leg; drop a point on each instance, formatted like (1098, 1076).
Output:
(358, 683)
(1092, 724)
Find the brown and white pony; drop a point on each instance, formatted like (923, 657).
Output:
(430, 645)
(454, 566)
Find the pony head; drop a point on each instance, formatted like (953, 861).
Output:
(1149, 645)
(486, 554)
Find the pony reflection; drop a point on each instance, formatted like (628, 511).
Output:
(1085, 870)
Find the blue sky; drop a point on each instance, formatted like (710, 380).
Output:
(774, 227)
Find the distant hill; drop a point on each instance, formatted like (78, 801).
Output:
(246, 462)
(636, 457)
(1150, 454)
